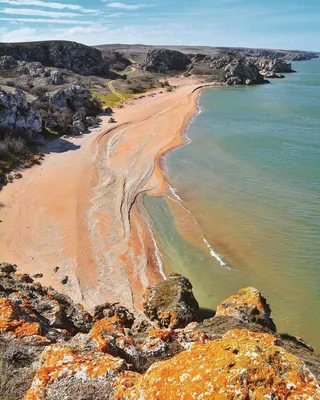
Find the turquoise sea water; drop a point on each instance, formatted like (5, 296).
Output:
(245, 205)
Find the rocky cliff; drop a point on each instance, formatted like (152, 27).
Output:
(51, 348)
(16, 113)
(74, 56)
(164, 60)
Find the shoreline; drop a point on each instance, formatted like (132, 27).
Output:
(79, 210)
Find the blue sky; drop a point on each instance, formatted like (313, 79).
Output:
(288, 24)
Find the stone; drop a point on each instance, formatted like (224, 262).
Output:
(248, 305)
(108, 111)
(16, 113)
(55, 269)
(7, 62)
(111, 121)
(241, 364)
(74, 97)
(78, 127)
(64, 280)
(108, 310)
(93, 122)
(171, 303)
(36, 276)
(8, 268)
(56, 77)
(248, 82)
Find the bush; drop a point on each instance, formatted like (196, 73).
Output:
(12, 146)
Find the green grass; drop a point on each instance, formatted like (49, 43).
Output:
(111, 100)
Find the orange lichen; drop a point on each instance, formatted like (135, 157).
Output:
(240, 365)
(103, 329)
(18, 320)
(61, 362)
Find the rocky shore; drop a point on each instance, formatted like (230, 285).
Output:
(51, 348)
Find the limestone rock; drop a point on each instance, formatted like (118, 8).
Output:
(74, 56)
(16, 113)
(241, 364)
(78, 128)
(93, 122)
(164, 60)
(74, 97)
(243, 69)
(275, 65)
(171, 303)
(7, 62)
(248, 305)
(56, 77)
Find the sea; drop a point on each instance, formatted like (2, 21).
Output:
(244, 204)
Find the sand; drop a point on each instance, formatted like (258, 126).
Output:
(81, 209)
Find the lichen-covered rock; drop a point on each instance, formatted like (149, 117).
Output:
(164, 60)
(29, 309)
(64, 369)
(171, 303)
(248, 305)
(16, 113)
(108, 310)
(240, 365)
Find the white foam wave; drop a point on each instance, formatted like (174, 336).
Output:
(213, 253)
(157, 252)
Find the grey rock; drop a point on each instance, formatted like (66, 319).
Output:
(74, 56)
(74, 97)
(111, 120)
(108, 111)
(93, 122)
(78, 127)
(234, 81)
(56, 77)
(164, 60)
(64, 280)
(7, 62)
(171, 303)
(16, 113)
(248, 82)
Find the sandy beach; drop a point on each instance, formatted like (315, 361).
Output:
(79, 210)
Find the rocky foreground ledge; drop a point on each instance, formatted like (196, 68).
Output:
(51, 348)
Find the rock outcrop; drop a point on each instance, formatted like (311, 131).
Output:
(248, 305)
(51, 349)
(74, 56)
(240, 365)
(242, 71)
(171, 303)
(273, 68)
(74, 97)
(164, 60)
(16, 113)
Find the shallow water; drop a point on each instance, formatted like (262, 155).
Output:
(245, 209)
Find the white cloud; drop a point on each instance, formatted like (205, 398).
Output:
(18, 34)
(124, 6)
(40, 13)
(46, 4)
(48, 21)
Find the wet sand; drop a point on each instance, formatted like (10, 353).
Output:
(79, 210)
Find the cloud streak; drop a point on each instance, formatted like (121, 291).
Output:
(40, 13)
(48, 21)
(128, 7)
(46, 4)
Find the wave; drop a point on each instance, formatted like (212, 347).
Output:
(212, 252)
(157, 251)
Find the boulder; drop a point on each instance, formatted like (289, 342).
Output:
(243, 69)
(108, 310)
(16, 113)
(164, 60)
(35, 69)
(56, 77)
(271, 74)
(275, 65)
(241, 364)
(78, 128)
(7, 62)
(93, 122)
(171, 303)
(248, 305)
(108, 111)
(74, 97)
(111, 121)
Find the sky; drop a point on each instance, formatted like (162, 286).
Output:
(278, 24)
